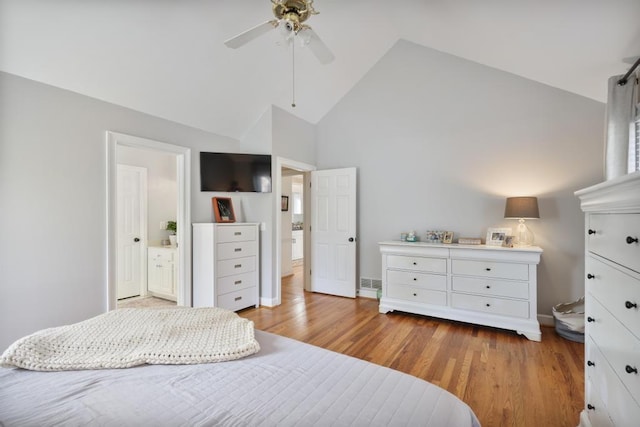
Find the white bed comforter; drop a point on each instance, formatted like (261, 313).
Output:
(286, 383)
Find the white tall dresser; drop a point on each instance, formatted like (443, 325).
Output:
(226, 265)
(612, 298)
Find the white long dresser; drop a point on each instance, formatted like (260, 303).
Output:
(612, 297)
(484, 285)
(226, 263)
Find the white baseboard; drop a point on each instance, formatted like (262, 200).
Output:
(367, 293)
(546, 320)
(268, 302)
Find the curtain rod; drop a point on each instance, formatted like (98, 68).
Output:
(623, 80)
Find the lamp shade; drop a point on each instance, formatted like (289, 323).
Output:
(521, 207)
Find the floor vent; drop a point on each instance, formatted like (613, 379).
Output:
(369, 283)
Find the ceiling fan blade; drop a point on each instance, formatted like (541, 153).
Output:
(252, 33)
(317, 47)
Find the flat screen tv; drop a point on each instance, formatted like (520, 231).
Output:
(235, 172)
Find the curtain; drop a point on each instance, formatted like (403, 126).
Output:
(620, 128)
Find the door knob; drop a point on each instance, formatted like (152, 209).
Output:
(136, 239)
(351, 239)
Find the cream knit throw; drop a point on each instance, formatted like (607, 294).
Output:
(134, 336)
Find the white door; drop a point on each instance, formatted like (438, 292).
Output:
(132, 226)
(333, 232)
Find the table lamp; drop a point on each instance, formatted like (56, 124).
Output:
(522, 208)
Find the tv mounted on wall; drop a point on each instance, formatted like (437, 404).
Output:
(235, 172)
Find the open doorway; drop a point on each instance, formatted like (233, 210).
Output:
(293, 225)
(147, 206)
(285, 169)
(147, 254)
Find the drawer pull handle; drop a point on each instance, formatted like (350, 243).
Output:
(591, 407)
(238, 233)
(237, 250)
(590, 363)
(237, 282)
(237, 298)
(237, 266)
(415, 295)
(592, 231)
(488, 305)
(415, 263)
(415, 279)
(590, 319)
(630, 305)
(488, 269)
(631, 240)
(631, 369)
(590, 276)
(488, 286)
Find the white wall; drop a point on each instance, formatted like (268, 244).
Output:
(293, 138)
(53, 199)
(162, 187)
(440, 142)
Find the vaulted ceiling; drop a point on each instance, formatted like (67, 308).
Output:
(167, 57)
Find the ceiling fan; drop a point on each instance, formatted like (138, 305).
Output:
(290, 17)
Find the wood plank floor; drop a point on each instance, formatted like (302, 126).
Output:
(506, 379)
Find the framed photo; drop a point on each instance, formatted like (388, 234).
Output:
(284, 206)
(447, 237)
(497, 236)
(223, 209)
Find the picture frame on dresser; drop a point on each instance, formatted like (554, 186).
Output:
(223, 209)
(497, 236)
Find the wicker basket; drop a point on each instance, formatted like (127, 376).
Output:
(569, 320)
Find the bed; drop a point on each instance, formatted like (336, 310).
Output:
(285, 383)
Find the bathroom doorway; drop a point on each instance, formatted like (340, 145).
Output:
(168, 203)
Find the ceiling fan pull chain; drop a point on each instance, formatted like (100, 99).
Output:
(293, 73)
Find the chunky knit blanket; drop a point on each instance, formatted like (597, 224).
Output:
(128, 337)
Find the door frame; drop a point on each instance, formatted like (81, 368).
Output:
(143, 224)
(183, 177)
(304, 168)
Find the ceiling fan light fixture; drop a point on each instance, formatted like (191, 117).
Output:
(290, 17)
(304, 36)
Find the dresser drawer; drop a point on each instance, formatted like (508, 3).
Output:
(236, 233)
(430, 265)
(434, 282)
(500, 288)
(607, 395)
(236, 249)
(597, 411)
(502, 270)
(239, 299)
(499, 306)
(235, 282)
(616, 291)
(610, 238)
(617, 344)
(230, 267)
(412, 293)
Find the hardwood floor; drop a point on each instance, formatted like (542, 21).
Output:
(506, 379)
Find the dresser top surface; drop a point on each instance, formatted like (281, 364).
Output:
(459, 246)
